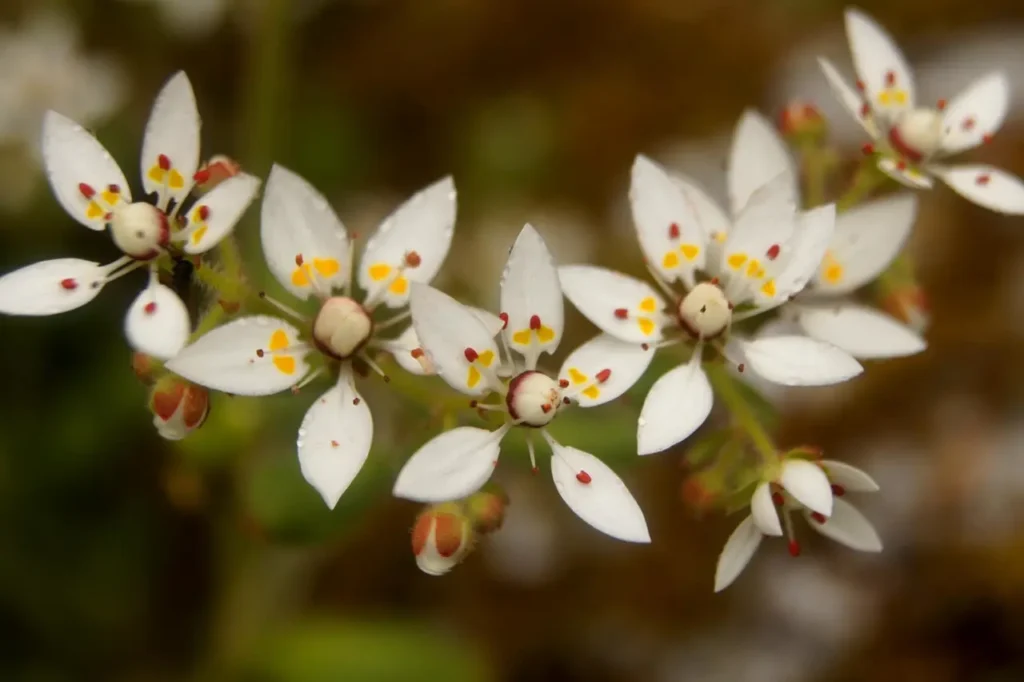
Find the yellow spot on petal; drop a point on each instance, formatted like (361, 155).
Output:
(175, 181)
(768, 289)
(648, 305)
(670, 260)
(474, 377)
(646, 325)
(198, 235)
(690, 251)
(157, 174)
(399, 286)
(486, 358)
(901, 97)
(300, 276)
(110, 197)
(737, 260)
(285, 364)
(545, 334)
(592, 392)
(326, 267)
(279, 340)
(833, 272)
(754, 269)
(379, 271)
(521, 337)
(93, 211)
(576, 376)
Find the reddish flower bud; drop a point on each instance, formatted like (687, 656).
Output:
(802, 119)
(908, 304)
(218, 169)
(178, 407)
(486, 510)
(441, 538)
(143, 366)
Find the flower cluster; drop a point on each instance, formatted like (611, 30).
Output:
(764, 289)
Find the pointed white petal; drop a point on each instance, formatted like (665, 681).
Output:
(157, 323)
(226, 359)
(402, 349)
(50, 287)
(450, 466)
(975, 114)
(715, 223)
(866, 239)
(79, 170)
(880, 65)
(762, 510)
(861, 331)
(738, 551)
(986, 186)
(678, 403)
(532, 297)
(848, 97)
(172, 131)
(815, 230)
(596, 494)
(334, 439)
(808, 485)
(620, 305)
(424, 224)
(904, 174)
(603, 368)
(446, 330)
(762, 238)
(296, 220)
(214, 215)
(799, 361)
(849, 527)
(758, 156)
(851, 478)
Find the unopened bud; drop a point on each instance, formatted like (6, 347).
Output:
(698, 494)
(909, 304)
(144, 366)
(802, 120)
(486, 510)
(218, 169)
(441, 538)
(178, 407)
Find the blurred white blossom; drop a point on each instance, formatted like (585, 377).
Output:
(189, 18)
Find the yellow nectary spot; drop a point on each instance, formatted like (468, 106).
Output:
(754, 268)
(175, 181)
(768, 289)
(93, 211)
(473, 378)
(379, 271)
(646, 325)
(521, 337)
(285, 364)
(279, 340)
(592, 391)
(300, 276)
(326, 267)
(737, 260)
(690, 251)
(399, 286)
(197, 236)
(110, 197)
(545, 334)
(157, 174)
(833, 272)
(648, 305)
(892, 96)
(576, 376)
(486, 358)
(670, 260)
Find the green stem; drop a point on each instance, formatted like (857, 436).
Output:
(724, 386)
(866, 180)
(817, 164)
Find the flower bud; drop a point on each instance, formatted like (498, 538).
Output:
(144, 366)
(909, 304)
(441, 538)
(218, 169)
(178, 407)
(802, 120)
(486, 510)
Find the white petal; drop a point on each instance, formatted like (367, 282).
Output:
(226, 358)
(808, 485)
(738, 551)
(334, 439)
(450, 466)
(223, 207)
(624, 362)
(296, 220)
(976, 113)
(986, 186)
(762, 510)
(678, 403)
(859, 330)
(596, 494)
(799, 361)
(402, 348)
(849, 527)
(768, 220)
(758, 156)
(173, 131)
(598, 293)
(157, 323)
(904, 174)
(530, 293)
(814, 233)
(50, 287)
(848, 97)
(446, 330)
(876, 57)
(660, 210)
(76, 165)
(850, 477)
(866, 239)
(424, 224)
(712, 217)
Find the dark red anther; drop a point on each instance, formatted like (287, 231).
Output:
(355, 401)
(865, 110)
(299, 260)
(204, 213)
(564, 383)
(150, 308)
(412, 259)
(941, 105)
(714, 280)
(838, 490)
(673, 231)
(645, 346)
(202, 176)
(87, 191)
(867, 149)
(471, 355)
(818, 517)
(603, 375)
(334, 443)
(566, 401)
(621, 313)
(534, 322)
(163, 162)
(545, 408)
(259, 352)
(534, 471)
(901, 165)
(860, 85)
(983, 179)
(69, 284)
(773, 252)
(741, 367)
(778, 499)
(730, 305)
(113, 189)
(583, 477)
(890, 79)
(794, 548)
(986, 138)
(504, 320)
(417, 353)
(473, 404)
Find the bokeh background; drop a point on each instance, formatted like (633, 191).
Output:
(124, 557)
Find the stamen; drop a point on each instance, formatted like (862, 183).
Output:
(365, 357)
(941, 105)
(983, 179)
(87, 191)
(662, 284)
(202, 176)
(794, 548)
(284, 308)
(773, 252)
(397, 319)
(69, 284)
(163, 162)
(471, 355)
(535, 322)
(890, 78)
(204, 213)
(307, 380)
(603, 375)
(673, 231)
(622, 313)
(150, 308)
(986, 138)
(412, 259)
(583, 477)
(778, 500)
(819, 517)
(838, 490)
(533, 455)
(504, 320)
(299, 260)
(563, 383)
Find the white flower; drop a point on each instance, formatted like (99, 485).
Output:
(190, 18)
(765, 257)
(308, 251)
(90, 186)
(815, 490)
(910, 139)
(460, 461)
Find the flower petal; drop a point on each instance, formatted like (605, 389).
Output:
(881, 66)
(423, 225)
(296, 220)
(627, 308)
(807, 483)
(81, 172)
(215, 214)
(850, 477)
(849, 527)
(603, 368)
(531, 297)
(866, 239)
(762, 510)
(904, 173)
(804, 255)
(447, 331)
(712, 217)
(758, 156)
(975, 114)
(799, 361)
(859, 330)
(670, 234)
(986, 186)
(450, 466)
(849, 98)
(50, 287)
(157, 323)
(408, 342)
(678, 403)
(227, 358)
(334, 439)
(738, 551)
(596, 494)
(170, 145)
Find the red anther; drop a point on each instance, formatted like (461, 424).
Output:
(983, 179)
(838, 490)
(714, 280)
(901, 165)
(818, 516)
(890, 78)
(204, 213)
(673, 231)
(868, 149)
(566, 401)
(534, 471)
(741, 367)
(113, 189)
(564, 383)
(778, 499)
(163, 162)
(412, 259)
(621, 313)
(645, 346)
(968, 123)
(299, 260)
(150, 308)
(941, 104)
(201, 176)
(87, 191)
(108, 216)
(603, 375)
(473, 403)
(865, 110)
(534, 322)
(334, 443)
(583, 477)
(259, 352)
(69, 284)
(471, 355)
(416, 353)
(773, 252)
(355, 401)
(860, 85)
(504, 320)
(986, 138)
(730, 305)
(794, 548)
(545, 408)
